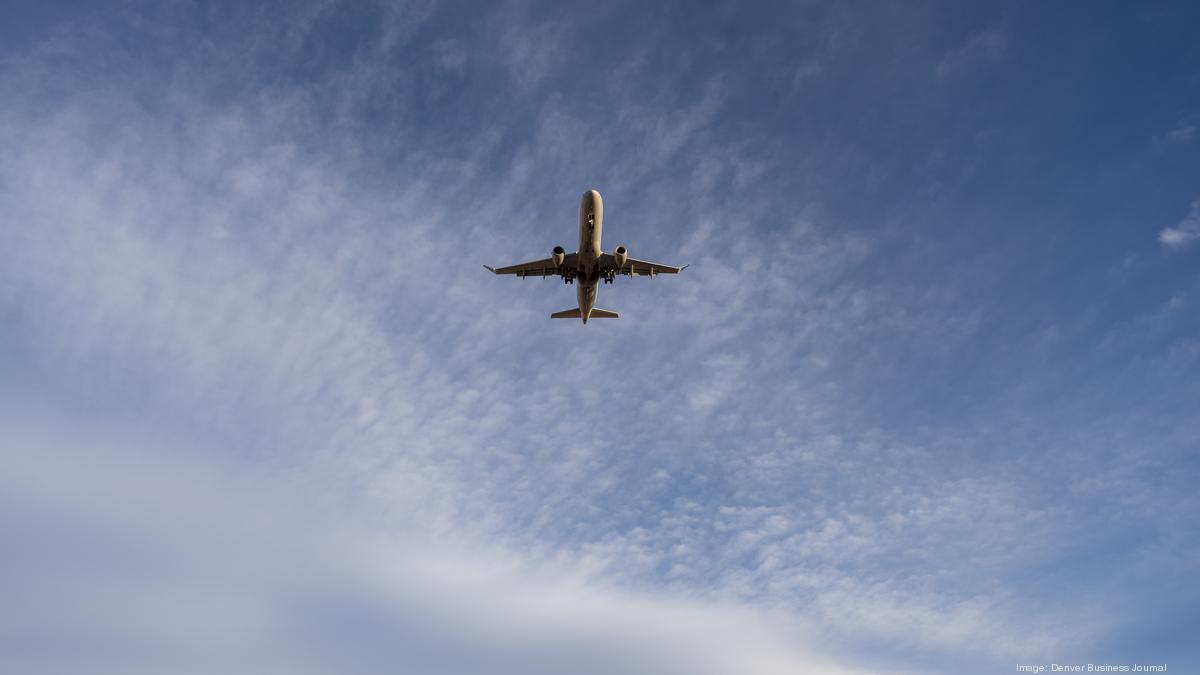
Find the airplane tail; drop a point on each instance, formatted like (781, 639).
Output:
(574, 314)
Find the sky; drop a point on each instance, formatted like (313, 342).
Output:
(924, 401)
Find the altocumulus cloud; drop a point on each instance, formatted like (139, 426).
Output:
(206, 273)
(157, 562)
(263, 410)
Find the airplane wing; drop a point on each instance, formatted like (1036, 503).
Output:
(540, 268)
(637, 268)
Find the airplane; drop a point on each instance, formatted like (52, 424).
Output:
(589, 264)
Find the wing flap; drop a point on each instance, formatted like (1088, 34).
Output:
(637, 268)
(539, 268)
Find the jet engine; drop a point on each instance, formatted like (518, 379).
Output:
(620, 255)
(559, 255)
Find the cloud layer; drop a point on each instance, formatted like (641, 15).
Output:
(284, 421)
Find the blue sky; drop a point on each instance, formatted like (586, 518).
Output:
(924, 402)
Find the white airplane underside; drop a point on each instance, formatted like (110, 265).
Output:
(589, 265)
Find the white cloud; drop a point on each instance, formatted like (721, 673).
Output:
(245, 273)
(1185, 232)
(1184, 133)
(250, 313)
(162, 562)
(981, 47)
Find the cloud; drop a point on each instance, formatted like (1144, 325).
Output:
(219, 272)
(451, 56)
(378, 455)
(161, 561)
(1185, 232)
(981, 47)
(194, 275)
(1184, 133)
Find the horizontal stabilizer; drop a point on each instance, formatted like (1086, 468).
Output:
(574, 314)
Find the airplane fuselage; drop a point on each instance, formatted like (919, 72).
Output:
(591, 222)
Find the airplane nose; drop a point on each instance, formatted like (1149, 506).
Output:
(590, 203)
